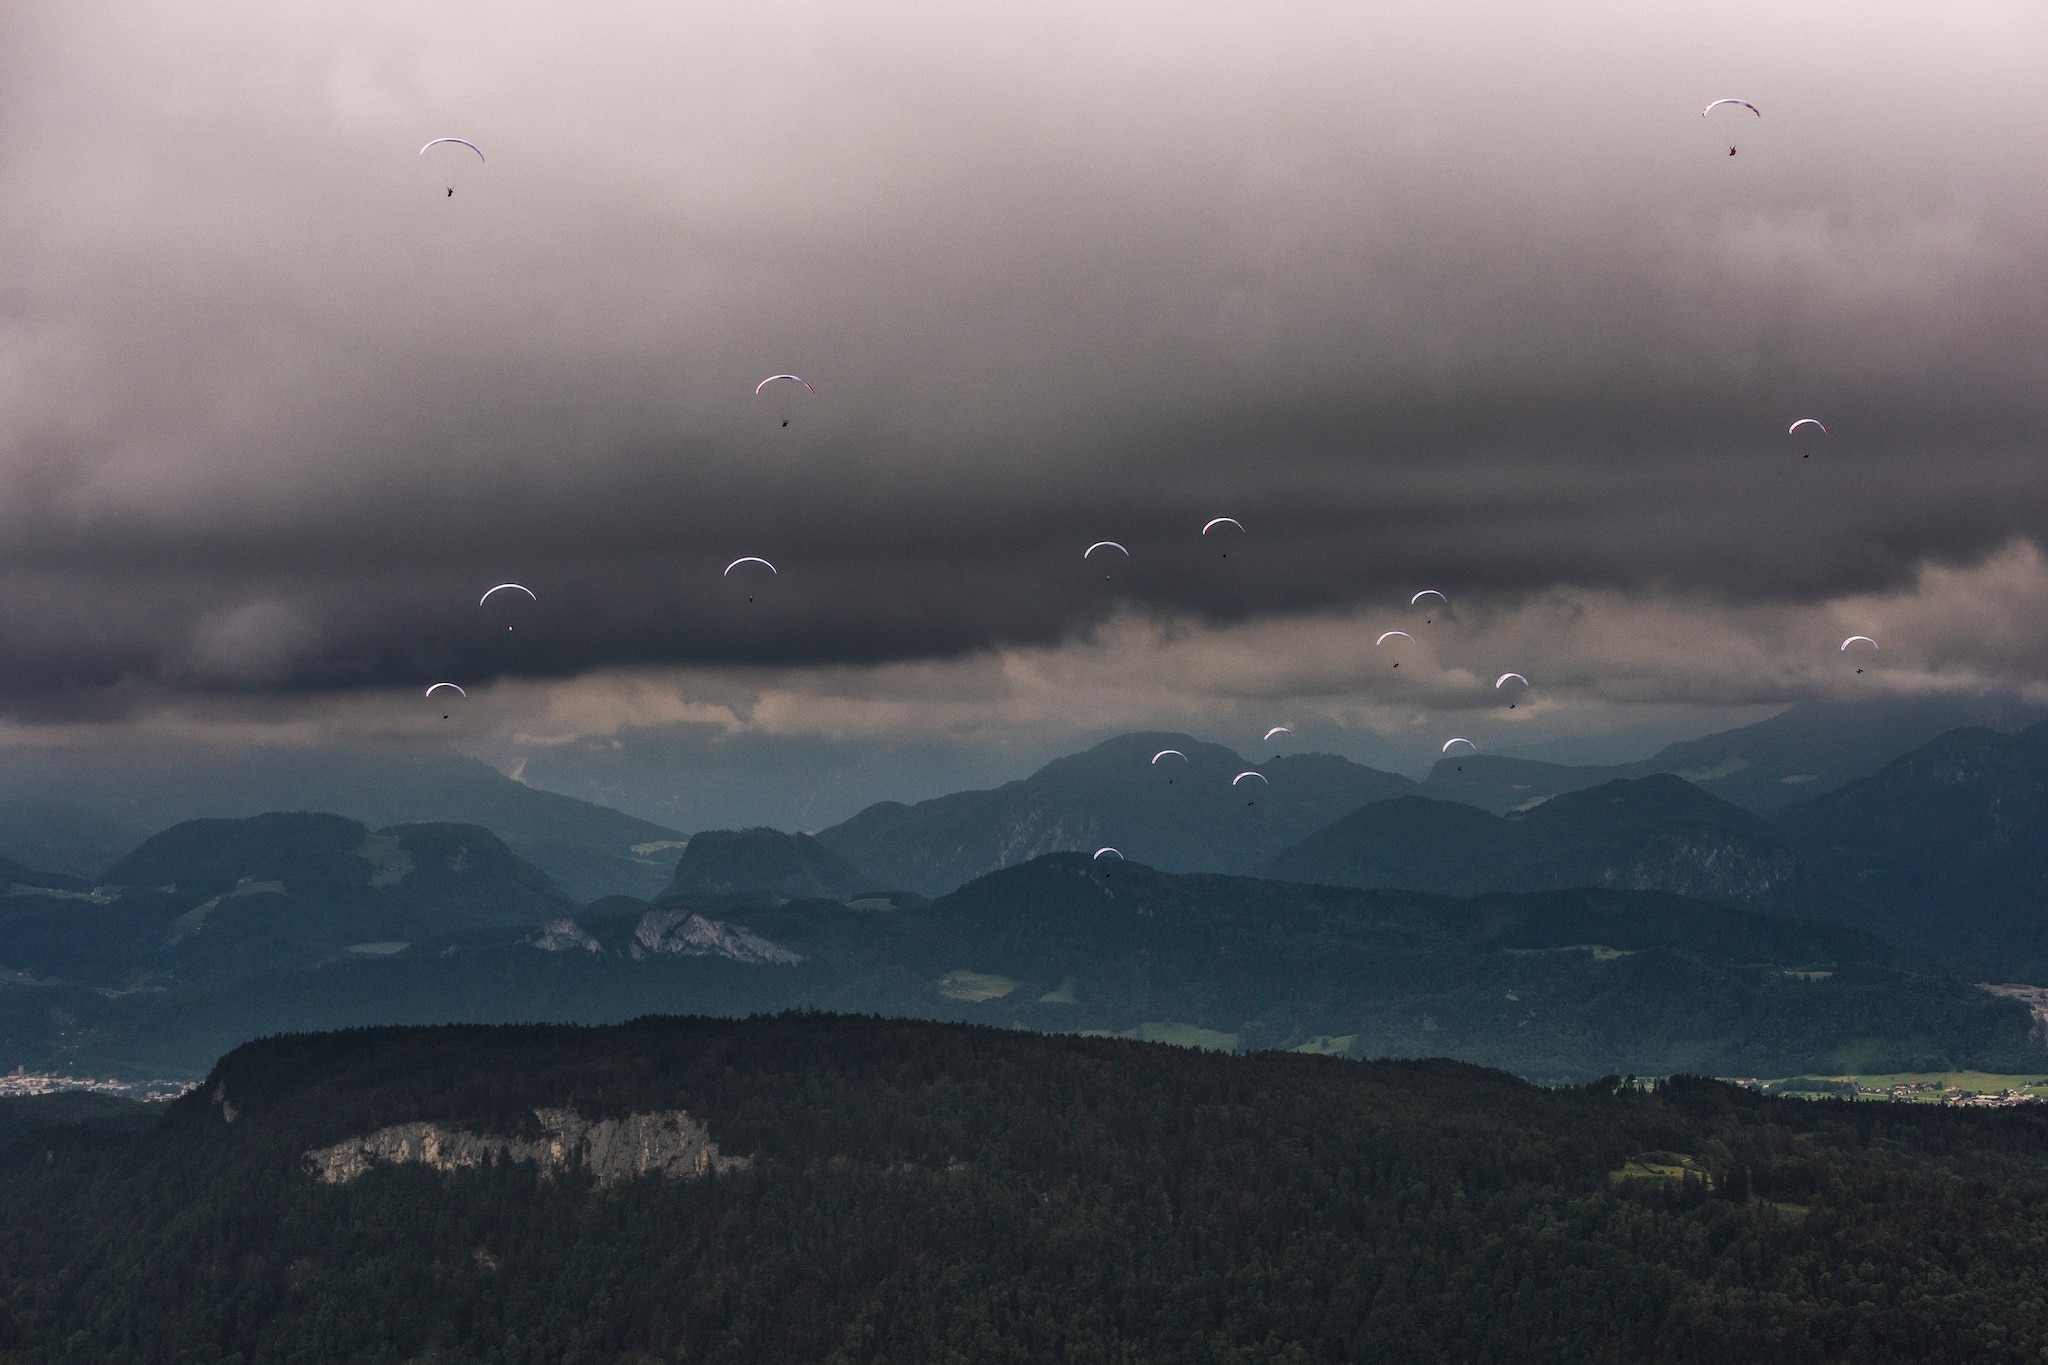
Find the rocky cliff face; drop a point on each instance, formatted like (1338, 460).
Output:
(672, 1145)
(564, 935)
(692, 935)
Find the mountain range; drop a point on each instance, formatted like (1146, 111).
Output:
(77, 812)
(256, 930)
(1640, 924)
(1650, 833)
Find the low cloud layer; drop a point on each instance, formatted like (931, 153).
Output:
(1472, 300)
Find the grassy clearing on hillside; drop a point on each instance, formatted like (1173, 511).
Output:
(1921, 1087)
(1182, 1035)
(1661, 1166)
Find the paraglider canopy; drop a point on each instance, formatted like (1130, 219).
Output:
(1164, 752)
(1278, 730)
(1744, 103)
(1428, 592)
(438, 686)
(1101, 544)
(1100, 851)
(773, 377)
(460, 142)
(1505, 676)
(1458, 739)
(1854, 638)
(1391, 634)
(517, 587)
(1242, 776)
(749, 559)
(1806, 422)
(1215, 522)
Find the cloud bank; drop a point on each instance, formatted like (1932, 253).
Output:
(1467, 299)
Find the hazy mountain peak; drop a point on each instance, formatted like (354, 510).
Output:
(721, 863)
(1181, 813)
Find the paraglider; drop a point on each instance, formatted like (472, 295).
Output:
(1101, 544)
(1278, 730)
(1854, 638)
(458, 141)
(749, 559)
(439, 685)
(518, 587)
(1429, 592)
(1806, 422)
(1458, 739)
(1744, 103)
(1391, 634)
(1221, 520)
(1505, 676)
(773, 377)
(1164, 752)
(1242, 776)
(1100, 851)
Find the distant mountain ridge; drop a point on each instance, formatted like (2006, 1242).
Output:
(1948, 845)
(720, 864)
(1657, 833)
(210, 900)
(1555, 985)
(1179, 814)
(1809, 749)
(88, 808)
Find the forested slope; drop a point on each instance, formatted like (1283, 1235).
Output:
(926, 1192)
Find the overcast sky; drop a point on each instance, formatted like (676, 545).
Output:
(1466, 297)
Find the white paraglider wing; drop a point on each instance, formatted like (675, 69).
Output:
(1806, 422)
(1428, 592)
(1215, 522)
(1242, 776)
(1457, 739)
(1100, 851)
(749, 559)
(516, 587)
(460, 142)
(773, 377)
(1391, 634)
(1505, 676)
(1100, 544)
(1164, 752)
(1744, 103)
(1278, 730)
(438, 686)
(1854, 638)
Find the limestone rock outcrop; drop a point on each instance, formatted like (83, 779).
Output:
(670, 1144)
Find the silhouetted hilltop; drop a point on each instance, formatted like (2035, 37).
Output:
(1657, 833)
(722, 863)
(813, 1187)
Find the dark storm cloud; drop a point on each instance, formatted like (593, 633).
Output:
(1472, 299)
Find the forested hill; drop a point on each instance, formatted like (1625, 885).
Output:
(871, 1190)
